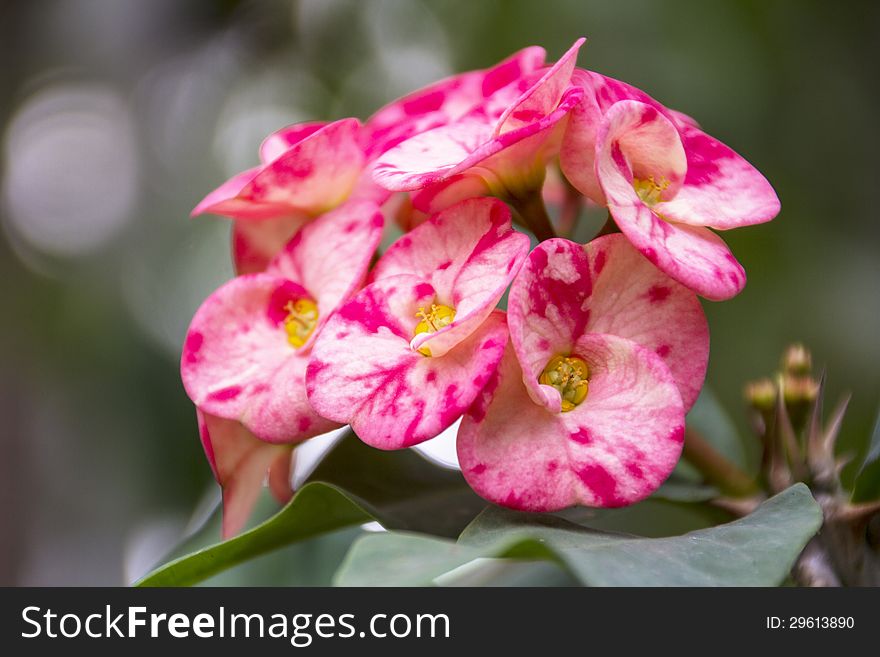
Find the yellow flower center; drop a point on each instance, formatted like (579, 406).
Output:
(570, 376)
(432, 321)
(301, 320)
(649, 190)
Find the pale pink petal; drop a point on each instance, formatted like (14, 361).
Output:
(613, 449)
(240, 462)
(330, 256)
(237, 362)
(633, 299)
(549, 310)
(255, 243)
(364, 372)
(721, 190)
(692, 255)
(469, 253)
(438, 197)
(280, 141)
(543, 96)
(225, 200)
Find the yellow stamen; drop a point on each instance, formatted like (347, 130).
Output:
(570, 376)
(301, 320)
(649, 190)
(432, 321)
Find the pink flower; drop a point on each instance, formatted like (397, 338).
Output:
(606, 355)
(240, 462)
(665, 182)
(248, 345)
(406, 357)
(501, 147)
(306, 170)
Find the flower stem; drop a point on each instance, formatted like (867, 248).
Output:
(534, 215)
(717, 468)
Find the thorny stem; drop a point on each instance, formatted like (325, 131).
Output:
(718, 469)
(533, 213)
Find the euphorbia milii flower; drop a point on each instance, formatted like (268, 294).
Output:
(306, 169)
(407, 355)
(606, 355)
(666, 183)
(501, 147)
(240, 462)
(247, 347)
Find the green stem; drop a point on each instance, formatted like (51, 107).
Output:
(534, 214)
(717, 468)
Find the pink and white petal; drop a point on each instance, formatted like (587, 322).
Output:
(633, 299)
(280, 141)
(436, 198)
(613, 449)
(240, 462)
(543, 96)
(279, 410)
(225, 200)
(548, 310)
(512, 451)
(315, 174)
(431, 156)
(366, 374)
(721, 190)
(235, 342)
(256, 242)
(330, 256)
(469, 253)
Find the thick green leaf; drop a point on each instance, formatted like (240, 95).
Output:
(867, 484)
(411, 492)
(317, 508)
(758, 550)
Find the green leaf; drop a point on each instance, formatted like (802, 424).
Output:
(867, 484)
(709, 418)
(758, 550)
(317, 508)
(411, 492)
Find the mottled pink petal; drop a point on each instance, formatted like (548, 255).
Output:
(722, 190)
(240, 462)
(633, 299)
(364, 372)
(542, 97)
(445, 101)
(238, 364)
(330, 256)
(280, 141)
(312, 176)
(469, 253)
(438, 197)
(255, 243)
(613, 449)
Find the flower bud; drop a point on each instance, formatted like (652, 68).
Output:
(797, 360)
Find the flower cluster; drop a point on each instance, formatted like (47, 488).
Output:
(576, 394)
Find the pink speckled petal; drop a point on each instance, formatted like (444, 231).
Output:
(224, 200)
(240, 462)
(438, 197)
(330, 256)
(542, 97)
(255, 243)
(445, 101)
(614, 449)
(721, 190)
(469, 253)
(634, 300)
(363, 371)
(280, 141)
(238, 364)
(548, 309)
(692, 255)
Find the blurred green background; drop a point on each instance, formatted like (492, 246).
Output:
(117, 116)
